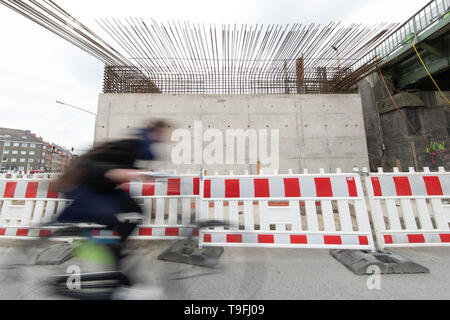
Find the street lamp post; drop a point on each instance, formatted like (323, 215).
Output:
(66, 104)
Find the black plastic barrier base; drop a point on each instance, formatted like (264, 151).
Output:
(55, 255)
(186, 251)
(362, 262)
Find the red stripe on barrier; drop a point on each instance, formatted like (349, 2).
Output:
(207, 189)
(363, 240)
(45, 233)
(115, 233)
(145, 231)
(445, 237)
(10, 189)
(196, 186)
(173, 187)
(232, 188)
(95, 232)
(352, 192)
(234, 238)
(148, 187)
(266, 238)
(172, 232)
(416, 238)
(291, 187)
(261, 188)
(387, 238)
(376, 187)
(402, 186)
(125, 186)
(433, 186)
(22, 232)
(2, 231)
(31, 191)
(299, 239)
(323, 187)
(206, 238)
(332, 239)
(52, 193)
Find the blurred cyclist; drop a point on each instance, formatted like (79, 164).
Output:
(92, 182)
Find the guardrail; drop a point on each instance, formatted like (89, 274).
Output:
(422, 21)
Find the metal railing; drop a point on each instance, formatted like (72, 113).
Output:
(423, 20)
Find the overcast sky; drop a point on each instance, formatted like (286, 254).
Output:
(37, 68)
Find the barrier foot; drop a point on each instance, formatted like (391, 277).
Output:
(55, 254)
(361, 262)
(187, 251)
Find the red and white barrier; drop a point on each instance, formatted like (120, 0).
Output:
(407, 208)
(27, 202)
(263, 223)
(170, 207)
(180, 195)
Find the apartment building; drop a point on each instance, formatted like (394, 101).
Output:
(21, 150)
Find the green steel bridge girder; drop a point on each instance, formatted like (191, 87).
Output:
(411, 70)
(404, 67)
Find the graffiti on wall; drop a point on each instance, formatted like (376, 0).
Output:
(437, 151)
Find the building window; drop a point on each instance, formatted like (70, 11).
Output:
(24, 145)
(32, 145)
(7, 143)
(22, 160)
(6, 151)
(31, 153)
(15, 152)
(23, 152)
(7, 136)
(5, 160)
(16, 144)
(13, 160)
(30, 160)
(24, 137)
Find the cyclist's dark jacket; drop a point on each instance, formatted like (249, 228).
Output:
(96, 198)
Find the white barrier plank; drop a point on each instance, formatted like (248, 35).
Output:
(159, 211)
(344, 215)
(424, 215)
(328, 215)
(439, 214)
(147, 208)
(394, 220)
(173, 212)
(185, 211)
(249, 223)
(233, 212)
(311, 215)
(218, 212)
(408, 214)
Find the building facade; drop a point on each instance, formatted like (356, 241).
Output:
(21, 150)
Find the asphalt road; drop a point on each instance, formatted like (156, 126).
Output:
(243, 273)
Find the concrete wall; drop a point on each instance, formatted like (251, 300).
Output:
(392, 130)
(315, 131)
